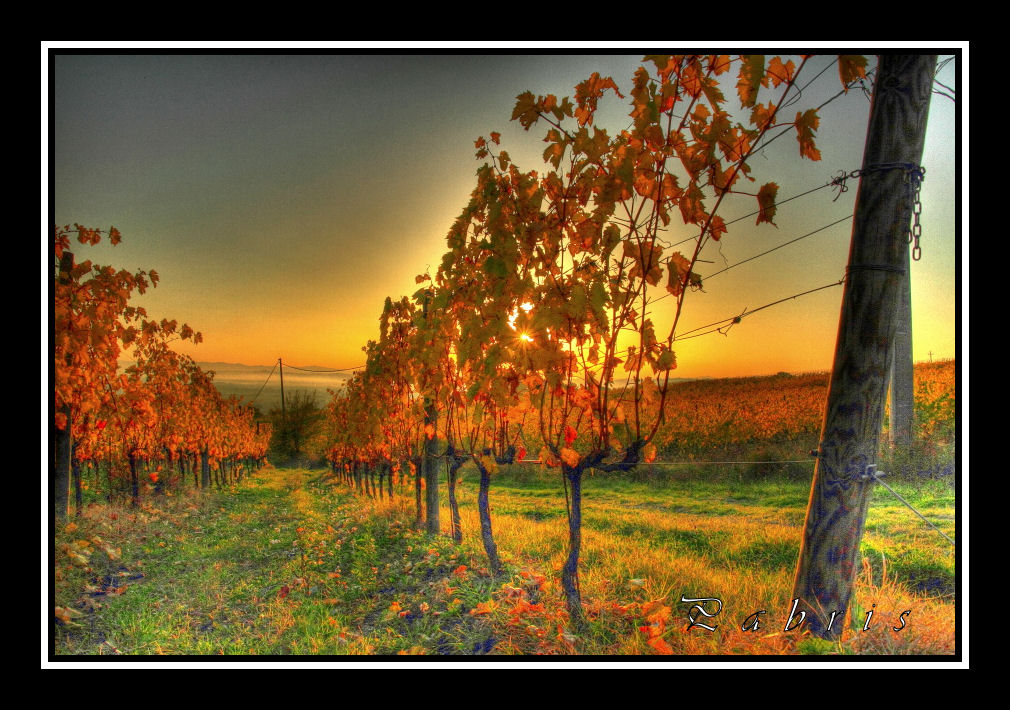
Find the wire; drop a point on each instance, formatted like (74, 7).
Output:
(264, 383)
(791, 241)
(751, 214)
(346, 369)
(732, 319)
(875, 475)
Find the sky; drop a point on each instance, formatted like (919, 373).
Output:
(282, 195)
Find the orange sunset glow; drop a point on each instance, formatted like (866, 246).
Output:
(282, 198)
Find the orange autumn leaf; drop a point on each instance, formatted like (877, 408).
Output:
(483, 608)
(570, 457)
(661, 646)
(850, 68)
(778, 72)
(649, 453)
(807, 124)
(660, 616)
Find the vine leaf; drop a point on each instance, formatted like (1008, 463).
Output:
(766, 201)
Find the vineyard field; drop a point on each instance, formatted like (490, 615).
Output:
(536, 448)
(288, 563)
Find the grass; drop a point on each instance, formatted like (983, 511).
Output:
(291, 563)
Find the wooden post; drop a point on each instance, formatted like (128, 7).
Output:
(430, 451)
(205, 468)
(878, 259)
(903, 372)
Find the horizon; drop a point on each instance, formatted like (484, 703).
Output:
(265, 393)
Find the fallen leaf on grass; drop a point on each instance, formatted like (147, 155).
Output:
(65, 614)
(661, 646)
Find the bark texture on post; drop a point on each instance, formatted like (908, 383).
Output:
(878, 257)
(903, 371)
(205, 468)
(431, 469)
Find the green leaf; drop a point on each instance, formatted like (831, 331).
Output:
(495, 266)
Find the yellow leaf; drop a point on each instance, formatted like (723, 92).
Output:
(649, 453)
(570, 457)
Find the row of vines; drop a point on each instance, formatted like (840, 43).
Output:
(147, 426)
(537, 335)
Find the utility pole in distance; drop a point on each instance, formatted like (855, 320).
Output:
(280, 365)
(878, 261)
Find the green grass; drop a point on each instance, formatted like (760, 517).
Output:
(290, 562)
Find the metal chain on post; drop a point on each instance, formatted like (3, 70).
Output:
(914, 175)
(914, 180)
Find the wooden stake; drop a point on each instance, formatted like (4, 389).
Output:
(903, 371)
(430, 451)
(878, 259)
